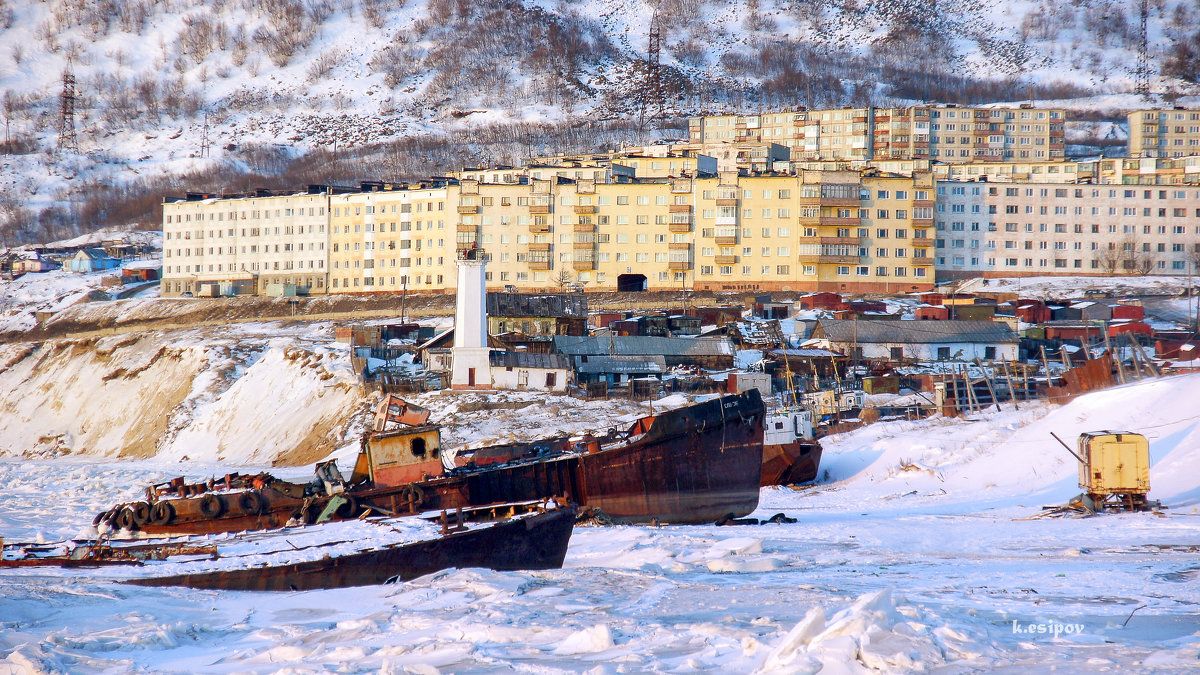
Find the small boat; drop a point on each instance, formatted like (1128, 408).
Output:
(533, 541)
(790, 452)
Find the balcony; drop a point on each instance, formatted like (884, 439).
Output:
(583, 245)
(839, 259)
(679, 265)
(829, 221)
(849, 241)
(585, 210)
(539, 246)
(584, 227)
(727, 241)
(467, 210)
(922, 222)
(923, 261)
(922, 241)
(539, 228)
(679, 246)
(680, 208)
(839, 201)
(725, 259)
(583, 265)
(539, 265)
(923, 202)
(467, 228)
(727, 202)
(539, 209)
(679, 227)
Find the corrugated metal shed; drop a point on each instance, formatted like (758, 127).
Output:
(537, 305)
(629, 345)
(503, 359)
(625, 365)
(918, 332)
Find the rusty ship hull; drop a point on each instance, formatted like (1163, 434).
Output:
(790, 463)
(537, 542)
(692, 465)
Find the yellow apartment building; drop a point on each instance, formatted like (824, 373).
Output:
(391, 238)
(1164, 133)
(816, 231)
(852, 231)
(946, 133)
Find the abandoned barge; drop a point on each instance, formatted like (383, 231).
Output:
(695, 464)
(534, 541)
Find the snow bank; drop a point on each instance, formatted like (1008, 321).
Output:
(1011, 455)
(871, 634)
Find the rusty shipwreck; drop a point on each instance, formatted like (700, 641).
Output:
(695, 464)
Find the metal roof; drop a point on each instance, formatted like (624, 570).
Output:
(632, 345)
(806, 353)
(503, 359)
(539, 305)
(621, 364)
(913, 332)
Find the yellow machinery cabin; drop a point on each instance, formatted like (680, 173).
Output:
(1114, 468)
(400, 456)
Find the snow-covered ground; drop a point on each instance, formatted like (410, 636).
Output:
(916, 551)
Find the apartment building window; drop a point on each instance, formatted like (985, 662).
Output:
(706, 270)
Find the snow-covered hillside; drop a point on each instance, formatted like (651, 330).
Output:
(185, 94)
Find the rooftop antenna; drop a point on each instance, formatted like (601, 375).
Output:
(67, 140)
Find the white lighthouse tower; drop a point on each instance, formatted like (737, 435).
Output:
(472, 366)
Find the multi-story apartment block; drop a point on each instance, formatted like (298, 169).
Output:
(392, 238)
(843, 230)
(814, 229)
(252, 244)
(946, 133)
(1164, 133)
(1025, 228)
(819, 230)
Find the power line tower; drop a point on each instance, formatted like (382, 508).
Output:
(1141, 86)
(652, 93)
(67, 140)
(204, 146)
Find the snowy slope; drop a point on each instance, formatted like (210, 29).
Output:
(188, 94)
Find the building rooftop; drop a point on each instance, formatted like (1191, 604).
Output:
(870, 331)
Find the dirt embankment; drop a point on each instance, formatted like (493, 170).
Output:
(127, 316)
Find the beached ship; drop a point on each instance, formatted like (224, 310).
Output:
(533, 541)
(695, 464)
(791, 454)
(527, 536)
